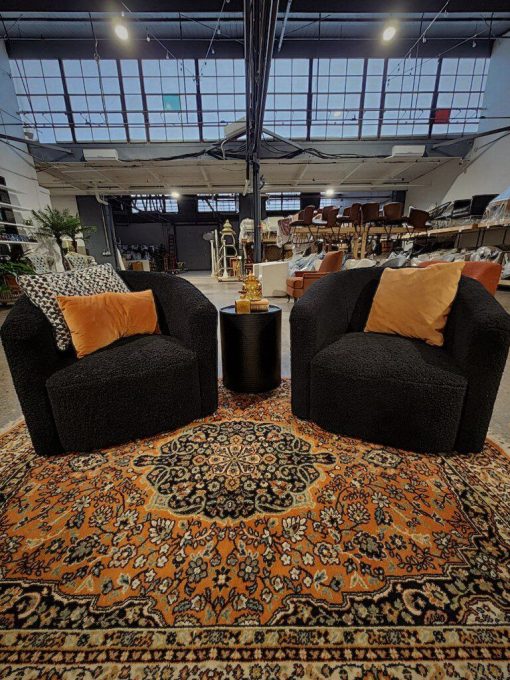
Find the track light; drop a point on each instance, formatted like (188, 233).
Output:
(389, 32)
(175, 194)
(120, 29)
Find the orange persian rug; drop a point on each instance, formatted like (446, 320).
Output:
(251, 545)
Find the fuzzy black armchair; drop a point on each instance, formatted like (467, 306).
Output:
(393, 390)
(135, 387)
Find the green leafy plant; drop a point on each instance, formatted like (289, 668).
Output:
(60, 224)
(9, 271)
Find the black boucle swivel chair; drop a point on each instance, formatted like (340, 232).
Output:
(135, 387)
(392, 390)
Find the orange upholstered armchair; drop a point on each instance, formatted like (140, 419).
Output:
(488, 273)
(298, 284)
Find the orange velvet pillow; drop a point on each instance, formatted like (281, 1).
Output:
(415, 303)
(96, 321)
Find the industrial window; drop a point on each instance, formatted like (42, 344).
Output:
(153, 203)
(135, 109)
(372, 97)
(287, 98)
(38, 85)
(283, 203)
(410, 85)
(337, 85)
(221, 203)
(222, 89)
(171, 94)
(94, 93)
(174, 99)
(460, 96)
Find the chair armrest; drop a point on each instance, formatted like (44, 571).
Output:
(320, 317)
(185, 313)
(32, 356)
(314, 275)
(477, 336)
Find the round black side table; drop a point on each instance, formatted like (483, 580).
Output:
(251, 349)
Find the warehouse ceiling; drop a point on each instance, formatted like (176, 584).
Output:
(211, 176)
(432, 35)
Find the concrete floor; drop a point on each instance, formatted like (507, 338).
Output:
(222, 294)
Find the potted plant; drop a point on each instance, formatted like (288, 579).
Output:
(60, 224)
(9, 271)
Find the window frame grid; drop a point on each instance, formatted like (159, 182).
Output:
(221, 203)
(392, 112)
(285, 201)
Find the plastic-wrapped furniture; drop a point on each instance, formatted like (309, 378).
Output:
(392, 390)
(135, 387)
(298, 284)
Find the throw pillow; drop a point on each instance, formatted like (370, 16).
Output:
(96, 321)
(42, 290)
(415, 303)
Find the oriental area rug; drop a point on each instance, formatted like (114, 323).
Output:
(254, 546)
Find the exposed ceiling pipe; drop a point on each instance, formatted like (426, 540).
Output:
(100, 200)
(284, 25)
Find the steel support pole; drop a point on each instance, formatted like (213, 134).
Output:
(257, 234)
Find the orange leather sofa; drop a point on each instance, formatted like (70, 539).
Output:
(298, 284)
(488, 273)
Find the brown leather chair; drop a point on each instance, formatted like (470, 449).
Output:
(304, 218)
(488, 273)
(393, 211)
(329, 216)
(417, 219)
(369, 213)
(298, 284)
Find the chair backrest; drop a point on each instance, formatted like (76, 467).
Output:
(332, 261)
(417, 218)
(393, 211)
(355, 213)
(325, 211)
(488, 273)
(79, 261)
(42, 264)
(369, 212)
(346, 212)
(331, 217)
(307, 214)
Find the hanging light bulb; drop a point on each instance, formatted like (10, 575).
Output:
(424, 39)
(474, 43)
(120, 30)
(389, 32)
(148, 38)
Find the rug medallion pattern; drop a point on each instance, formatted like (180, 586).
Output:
(253, 545)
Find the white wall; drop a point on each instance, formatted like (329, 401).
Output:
(63, 202)
(486, 170)
(16, 163)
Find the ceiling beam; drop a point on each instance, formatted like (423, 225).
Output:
(214, 6)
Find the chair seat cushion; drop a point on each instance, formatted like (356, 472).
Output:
(388, 389)
(135, 387)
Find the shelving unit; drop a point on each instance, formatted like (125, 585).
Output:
(13, 207)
